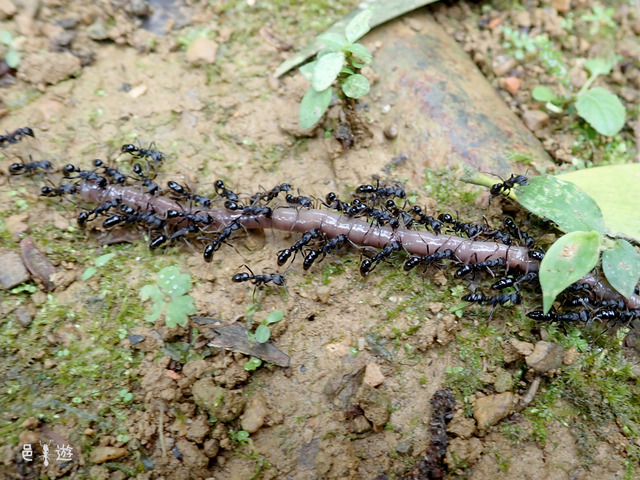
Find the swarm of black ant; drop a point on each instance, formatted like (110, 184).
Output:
(175, 213)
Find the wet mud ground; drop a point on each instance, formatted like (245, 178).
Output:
(139, 400)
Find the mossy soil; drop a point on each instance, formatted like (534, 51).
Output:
(73, 374)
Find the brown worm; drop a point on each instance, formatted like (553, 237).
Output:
(332, 224)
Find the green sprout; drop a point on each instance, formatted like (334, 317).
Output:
(252, 364)
(262, 333)
(11, 57)
(340, 62)
(101, 261)
(169, 296)
(598, 107)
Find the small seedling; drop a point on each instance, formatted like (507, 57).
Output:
(252, 364)
(598, 107)
(101, 261)
(169, 296)
(262, 333)
(11, 57)
(340, 62)
(125, 395)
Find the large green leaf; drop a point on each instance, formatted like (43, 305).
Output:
(563, 202)
(326, 70)
(359, 25)
(602, 110)
(313, 106)
(333, 40)
(173, 282)
(570, 258)
(616, 189)
(621, 265)
(356, 86)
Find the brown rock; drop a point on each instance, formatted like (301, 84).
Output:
(13, 271)
(372, 375)
(561, 6)
(491, 409)
(30, 423)
(461, 425)
(375, 405)
(503, 64)
(512, 84)
(48, 68)
(523, 348)
(192, 455)
(211, 448)
(202, 51)
(570, 356)
(198, 429)
(7, 9)
(17, 224)
(253, 417)
(102, 454)
(463, 451)
(535, 119)
(222, 404)
(545, 356)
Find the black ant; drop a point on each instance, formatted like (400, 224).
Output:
(366, 190)
(426, 220)
(304, 202)
(536, 254)
(194, 218)
(271, 194)
(467, 269)
(223, 191)
(137, 152)
(84, 175)
(257, 280)
(582, 316)
(257, 210)
(16, 136)
(514, 298)
(429, 259)
(64, 189)
(332, 202)
(284, 255)
(368, 265)
(147, 182)
(83, 217)
(507, 185)
(30, 168)
(399, 215)
(114, 173)
(513, 282)
(220, 239)
(333, 244)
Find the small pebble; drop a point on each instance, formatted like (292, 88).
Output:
(391, 132)
(535, 119)
(202, 50)
(103, 454)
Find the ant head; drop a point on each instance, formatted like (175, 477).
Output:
(98, 163)
(129, 148)
(69, 168)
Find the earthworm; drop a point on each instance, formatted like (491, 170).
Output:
(332, 224)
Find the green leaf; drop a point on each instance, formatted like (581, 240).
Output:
(156, 310)
(356, 86)
(599, 66)
(327, 70)
(621, 265)
(333, 40)
(12, 58)
(173, 282)
(88, 273)
(274, 317)
(263, 334)
(252, 364)
(607, 185)
(307, 70)
(563, 202)
(602, 110)
(313, 106)
(102, 260)
(362, 56)
(6, 38)
(346, 70)
(542, 94)
(570, 258)
(151, 292)
(358, 26)
(178, 310)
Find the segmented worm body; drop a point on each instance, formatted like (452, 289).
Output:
(332, 224)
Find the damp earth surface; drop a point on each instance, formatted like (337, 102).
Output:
(137, 399)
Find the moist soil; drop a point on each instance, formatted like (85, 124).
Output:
(136, 399)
